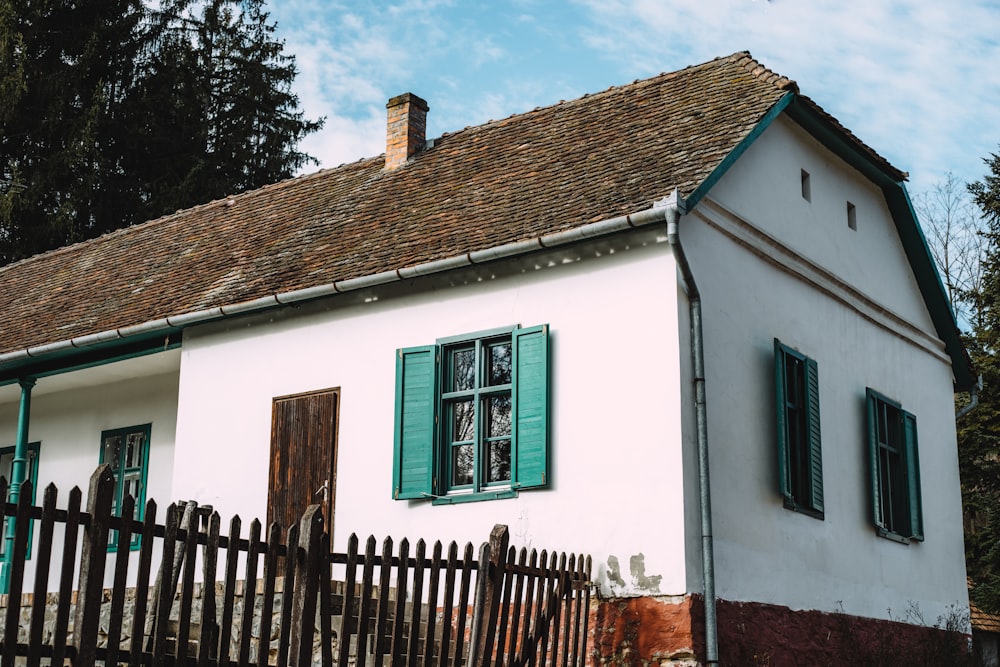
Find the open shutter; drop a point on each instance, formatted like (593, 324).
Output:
(530, 449)
(415, 422)
(781, 400)
(815, 449)
(872, 401)
(913, 476)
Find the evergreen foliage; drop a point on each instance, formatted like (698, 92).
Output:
(979, 432)
(116, 111)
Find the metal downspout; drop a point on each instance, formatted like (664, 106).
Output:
(973, 399)
(17, 475)
(676, 207)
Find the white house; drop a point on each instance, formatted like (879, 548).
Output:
(586, 321)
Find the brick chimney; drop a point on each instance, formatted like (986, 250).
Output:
(405, 129)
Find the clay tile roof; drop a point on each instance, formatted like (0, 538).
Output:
(544, 171)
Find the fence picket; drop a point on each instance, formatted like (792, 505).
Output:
(432, 589)
(413, 646)
(209, 618)
(447, 603)
(287, 598)
(249, 594)
(190, 526)
(229, 591)
(15, 576)
(44, 558)
(270, 572)
(347, 624)
(382, 611)
(516, 612)
(507, 579)
(468, 564)
(120, 580)
(90, 588)
(142, 583)
(396, 645)
(326, 603)
(59, 643)
(162, 593)
(364, 608)
(307, 573)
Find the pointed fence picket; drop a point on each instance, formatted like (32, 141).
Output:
(388, 606)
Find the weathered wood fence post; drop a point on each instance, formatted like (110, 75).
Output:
(90, 589)
(307, 570)
(493, 557)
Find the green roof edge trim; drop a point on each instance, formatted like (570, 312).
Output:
(75, 359)
(692, 200)
(900, 208)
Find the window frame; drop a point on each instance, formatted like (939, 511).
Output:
(799, 436)
(32, 470)
(906, 475)
(143, 470)
(422, 446)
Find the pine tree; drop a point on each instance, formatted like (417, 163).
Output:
(979, 432)
(116, 112)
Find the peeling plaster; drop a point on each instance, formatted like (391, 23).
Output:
(639, 582)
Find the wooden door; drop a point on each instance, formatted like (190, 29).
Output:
(303, 456)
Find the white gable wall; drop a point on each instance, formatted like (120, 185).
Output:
(755, 287)
(616, 477)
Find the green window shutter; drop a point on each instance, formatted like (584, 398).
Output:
(815, 450)
(531, 407)
(415, 422)
(781, 400)
(913, 476)
(872, 401)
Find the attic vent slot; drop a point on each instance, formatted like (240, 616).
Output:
(852, 216)
(806, 190)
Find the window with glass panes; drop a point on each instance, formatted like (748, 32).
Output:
(471, 416)
(126, 450)
(477, 409)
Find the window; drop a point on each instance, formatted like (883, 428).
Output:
(127, 451)
(472, 416)
(852, 216)
(800, 459)
(895, 469)
(806, 187)
(30, 475)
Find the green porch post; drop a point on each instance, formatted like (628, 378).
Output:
(17, 475)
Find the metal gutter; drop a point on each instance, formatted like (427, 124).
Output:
(676, 206)
(19, 364)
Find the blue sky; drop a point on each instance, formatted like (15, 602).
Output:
(919, 81)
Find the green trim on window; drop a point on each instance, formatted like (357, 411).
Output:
(33, 448)
(121, 471)
(530, 464)
(902, 425)
(800, 453)
(913, 476)
(417, 392)
(433, 390)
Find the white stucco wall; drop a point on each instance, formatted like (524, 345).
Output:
(68, 423)
(616, 481)
(755, 287)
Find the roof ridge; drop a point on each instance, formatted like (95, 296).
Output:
(762, 72)
(636, 83)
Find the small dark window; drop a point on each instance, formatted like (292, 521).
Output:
(895, 469)
(806, 190)
(852, 216)
(800, 457)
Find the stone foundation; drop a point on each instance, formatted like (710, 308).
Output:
(669, 631)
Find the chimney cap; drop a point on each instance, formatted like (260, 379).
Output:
(399, 100)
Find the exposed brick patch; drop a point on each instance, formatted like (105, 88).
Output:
(671, 630)
(640, 631)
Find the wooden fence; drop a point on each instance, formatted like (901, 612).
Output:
(307, 606)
